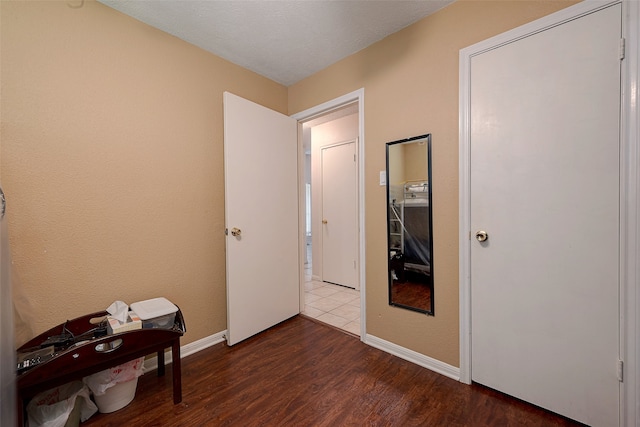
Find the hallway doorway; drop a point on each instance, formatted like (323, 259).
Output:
(333, 123)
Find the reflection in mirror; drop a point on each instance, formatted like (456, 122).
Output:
(409, 224)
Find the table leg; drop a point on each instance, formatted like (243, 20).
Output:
(177, 372)
(161, 363)
(20, 411)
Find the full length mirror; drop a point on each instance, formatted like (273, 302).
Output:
(409, 224)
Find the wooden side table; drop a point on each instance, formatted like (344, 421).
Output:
(90, 355)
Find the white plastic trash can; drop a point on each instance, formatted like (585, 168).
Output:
(115, 388)
(116, 397)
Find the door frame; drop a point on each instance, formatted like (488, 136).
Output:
(629, 191)
(356, 96)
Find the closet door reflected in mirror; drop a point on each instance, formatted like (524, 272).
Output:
(409, 224)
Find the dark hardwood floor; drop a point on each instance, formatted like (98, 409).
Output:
(304, 373)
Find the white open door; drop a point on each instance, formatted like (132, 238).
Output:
(339, 215)
(261, 207)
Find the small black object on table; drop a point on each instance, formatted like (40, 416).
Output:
(91, 351)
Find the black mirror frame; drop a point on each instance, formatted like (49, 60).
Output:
(427, 138)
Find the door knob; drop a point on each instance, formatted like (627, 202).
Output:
(236, 232)
(324, 221)
(482, 236)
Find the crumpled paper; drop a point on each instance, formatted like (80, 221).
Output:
(119, 311)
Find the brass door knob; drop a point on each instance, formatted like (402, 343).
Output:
(236, 232)
(324, 221)
(482, 236)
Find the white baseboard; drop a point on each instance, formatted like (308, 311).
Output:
(186, 350)
(414, 357)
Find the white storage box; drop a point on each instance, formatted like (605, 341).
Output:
(155, 313)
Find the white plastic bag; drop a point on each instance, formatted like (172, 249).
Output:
(52, 408)
(103, 380)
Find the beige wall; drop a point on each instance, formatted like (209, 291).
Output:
(411, 88)
(112, 162)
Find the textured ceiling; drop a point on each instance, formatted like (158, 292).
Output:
(284, 40)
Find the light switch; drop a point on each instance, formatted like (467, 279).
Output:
(383, 177)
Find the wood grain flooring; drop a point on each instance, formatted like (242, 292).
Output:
(304, 373)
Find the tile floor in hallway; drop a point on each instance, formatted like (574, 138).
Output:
(333, 304)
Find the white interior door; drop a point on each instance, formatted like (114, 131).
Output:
(545, 187)
(261, 203)
(339, 215)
